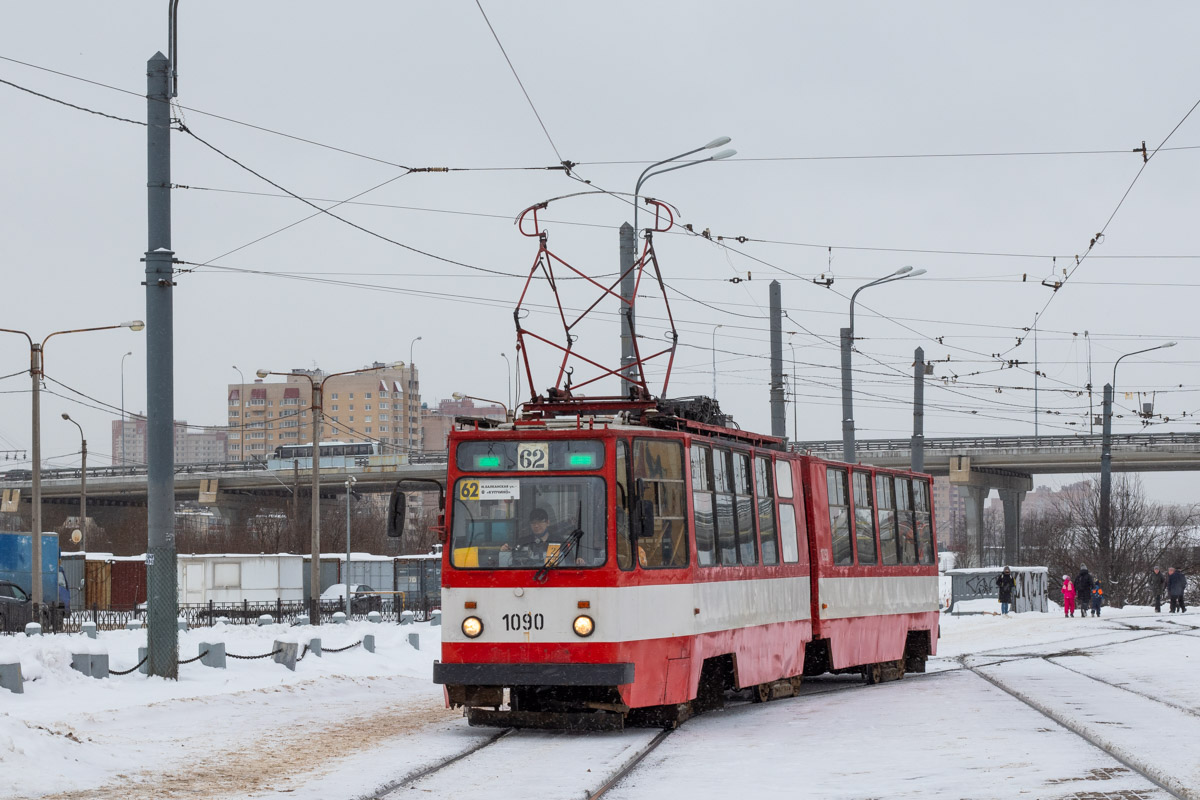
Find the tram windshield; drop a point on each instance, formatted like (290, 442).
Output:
(524, 523)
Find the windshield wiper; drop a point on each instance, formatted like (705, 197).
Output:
(555, 558)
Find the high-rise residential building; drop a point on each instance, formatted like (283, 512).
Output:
(382, 405)
(196, 445)
(436, 423)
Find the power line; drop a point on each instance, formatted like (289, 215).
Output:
(71, 105)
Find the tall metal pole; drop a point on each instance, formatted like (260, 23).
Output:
(714, 359)
(349, 595)
(508, 375)
(241, 414)
(1105, 535)
(1036, 369)
(847, 337)
(82, 482)
(628, 255)
(35, 371)
(918, 439)
(795, 410)
(314, 574)
(162, 598)
(1091, 413)
(778, 415)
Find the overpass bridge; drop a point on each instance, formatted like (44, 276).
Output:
(1008, 463)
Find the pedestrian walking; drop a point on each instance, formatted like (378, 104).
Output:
(1097, 597)
(1006, 584)
(1176, 583)
(1068, 592)
(1158, 585)
(1083, 589)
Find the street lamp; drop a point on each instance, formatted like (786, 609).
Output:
(314, 587)
(350, 481)
(1105, 536)
(124, 463)
(241, 414)
(36, 351)
(410, 351)
(847, 343)
(508, 374)
(714, 359)
(82, 481)
(628, 255)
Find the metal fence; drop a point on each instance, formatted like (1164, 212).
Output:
(198, 615)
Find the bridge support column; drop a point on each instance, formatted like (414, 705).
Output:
(975, 497)
(1012, 500)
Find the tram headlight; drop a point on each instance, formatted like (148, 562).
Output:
(472, 627)
(583, 625)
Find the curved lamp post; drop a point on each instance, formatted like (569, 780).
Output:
(123, 461)
(314, 587)
(241, 414)
(1105, 533)
(82, 481)
(629, 256)
(36, 366)
(847, 335)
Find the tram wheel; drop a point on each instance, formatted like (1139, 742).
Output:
(761, 693)
(873, 673)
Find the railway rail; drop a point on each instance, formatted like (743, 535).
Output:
(1061, 711)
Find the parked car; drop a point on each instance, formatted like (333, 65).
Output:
(16, 607)
(364, 598)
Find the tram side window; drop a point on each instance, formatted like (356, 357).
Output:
(658, 477)
(723, 501)
(702, 503)
(787, 533)
(904, 515)
(783, 479)
(864, 518)
(743, 506)
(924, 527)
(624, 542)
(885, 496)
(766, 510)
(839, 516)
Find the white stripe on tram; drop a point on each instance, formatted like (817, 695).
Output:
(870, 597)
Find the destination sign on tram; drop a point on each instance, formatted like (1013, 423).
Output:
(530, 456)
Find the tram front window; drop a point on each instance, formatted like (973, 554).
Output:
(526, 523)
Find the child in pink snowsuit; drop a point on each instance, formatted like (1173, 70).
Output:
(1068, 590)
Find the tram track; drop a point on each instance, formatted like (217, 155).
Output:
(1063, 714)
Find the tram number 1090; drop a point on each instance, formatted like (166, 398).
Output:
(524, 622)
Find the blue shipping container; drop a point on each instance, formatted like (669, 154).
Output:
(16, 562)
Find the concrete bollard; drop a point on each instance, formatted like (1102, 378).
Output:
(435, 618)
(88, 628)
(374, 616)
(33, 629)
(143, 659)
(265, 619)
(182, 624)
(369, 642)
(134, 625)
(215, 657)
(94, 665)
(10, 678)
(301, 620)
(407, 617)
(414, 639)
(339, 618)
(314, 646)
(287, 653)
(99, 665)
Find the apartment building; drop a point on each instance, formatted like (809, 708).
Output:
(382, 405)
(436, 423)
(195, 445)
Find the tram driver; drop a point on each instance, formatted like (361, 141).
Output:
(538, 546)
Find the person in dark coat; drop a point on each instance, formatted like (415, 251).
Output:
(1176, 584)
(1097, 597)
(1083, 589)
(1006, 584)
(1158, 586)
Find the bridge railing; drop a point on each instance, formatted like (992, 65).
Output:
(1004, 442)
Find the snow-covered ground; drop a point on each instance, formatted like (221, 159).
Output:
(1025, 706)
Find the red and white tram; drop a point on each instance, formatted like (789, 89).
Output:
(625, 559)
(599, 572)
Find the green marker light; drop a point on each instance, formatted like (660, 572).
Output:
(488, 462)
(582, 460)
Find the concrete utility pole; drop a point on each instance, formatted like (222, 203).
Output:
(778, 413)
(162, 637)
(628, 254)
(918, 439)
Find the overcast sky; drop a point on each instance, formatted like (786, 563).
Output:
(978, 143)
